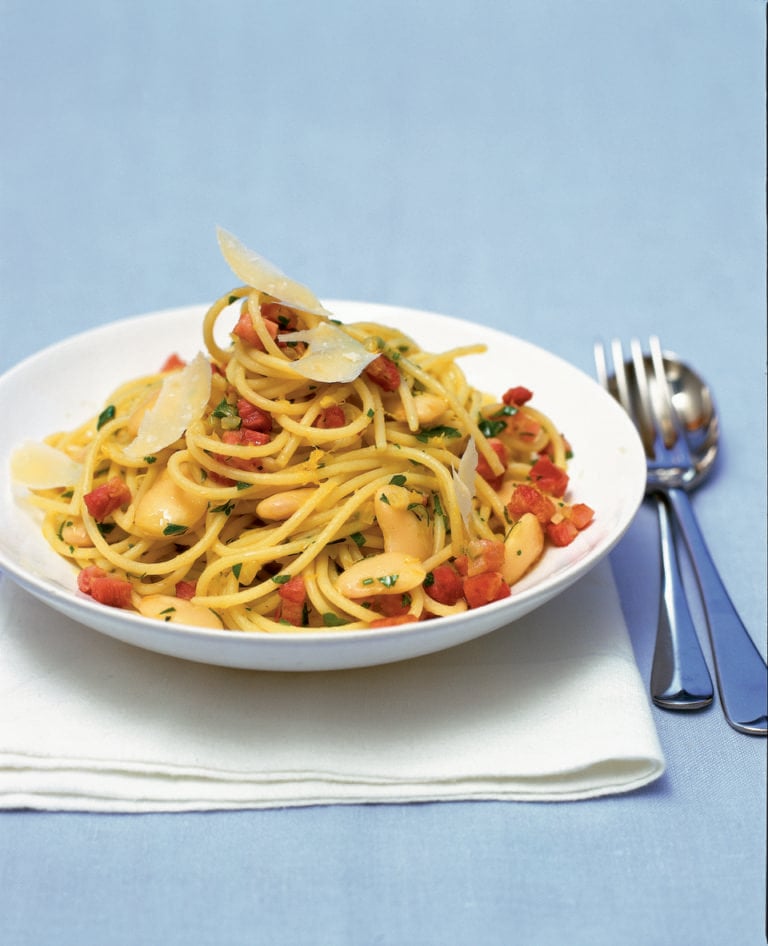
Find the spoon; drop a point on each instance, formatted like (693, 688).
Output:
(740, 669)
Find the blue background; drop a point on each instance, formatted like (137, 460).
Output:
(560, 171)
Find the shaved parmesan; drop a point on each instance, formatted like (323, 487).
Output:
(41, 466)
(259, 273)
(333, 354)
(182, 399)
(464, 481)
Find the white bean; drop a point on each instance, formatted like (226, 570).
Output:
(389, 573)
(165, 504)
(522, 547)
(404, 529)
(282, 505)
(178, 611)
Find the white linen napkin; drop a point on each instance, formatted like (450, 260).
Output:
(549, 708)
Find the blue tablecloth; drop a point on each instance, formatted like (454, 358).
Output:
(560, 171)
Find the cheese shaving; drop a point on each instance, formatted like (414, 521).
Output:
(258, 273)
(464, 481)
(182, 399)
(41, 466)
(333, 354)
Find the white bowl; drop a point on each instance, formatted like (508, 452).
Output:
(66, 383)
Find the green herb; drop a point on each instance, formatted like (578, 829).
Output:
(105, 416)
(281, 579)
(236, 569)
(439, 509)
(367, 581)
(419, 510)
(150, 460)
(333, 620)
(371, 412)
(398, 480)
(384, 499)
(68, 494)
(232, 299)
(168, 610)
(490, 428)
(105, 527)
(174, 529)
(429, 580)
(241, 485)
(358, 538)
(426, 433)
(226, 507)
(389, 581)
(227, 414)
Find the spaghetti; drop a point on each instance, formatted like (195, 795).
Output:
(308, 475)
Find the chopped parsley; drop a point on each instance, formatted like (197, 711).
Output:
(105, 416)
(227, 415)
(389, 581)
(426, 433)
(333, 620)
(398, 480)
(439, 509)
(174, 528)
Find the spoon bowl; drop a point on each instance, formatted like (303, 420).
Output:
(692, 399)
(695, 407)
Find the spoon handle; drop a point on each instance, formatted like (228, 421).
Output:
(680, 679)
(742, 678)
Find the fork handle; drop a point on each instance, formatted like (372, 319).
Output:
(742, 678)
(680, 679)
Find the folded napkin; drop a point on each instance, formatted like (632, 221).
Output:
(549, 708)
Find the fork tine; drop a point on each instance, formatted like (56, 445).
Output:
(616, 384)
(672, 427)
(620, 374)
(601, 366)
(644, 395)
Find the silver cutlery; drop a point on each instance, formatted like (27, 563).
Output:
(680, 679)
(675, 416)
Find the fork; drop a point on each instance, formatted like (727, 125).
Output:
(740, 670)
(680, 679)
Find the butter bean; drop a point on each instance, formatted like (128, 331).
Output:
(389, 573)
(166, 504)
(178, 611)
(404, 529)
(282, 505)
(75, 534)
(522, 547)
(428, 407)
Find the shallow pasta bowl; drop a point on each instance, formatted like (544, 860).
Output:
(66, 383)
